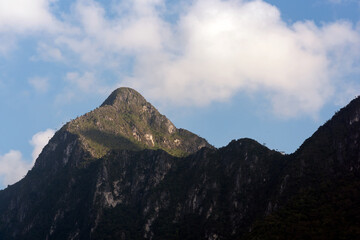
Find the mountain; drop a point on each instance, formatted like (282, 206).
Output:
(127, 121)
(320, 190)
(124, 171)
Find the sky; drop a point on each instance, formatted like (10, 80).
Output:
(270, 70)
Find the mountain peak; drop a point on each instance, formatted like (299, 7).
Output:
(127, 121)
(124, 95)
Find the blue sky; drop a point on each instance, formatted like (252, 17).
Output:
(270, 70)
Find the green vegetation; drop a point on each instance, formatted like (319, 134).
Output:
(127, 121)
(331, 211)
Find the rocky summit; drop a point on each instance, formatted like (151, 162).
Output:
(124, 171)
(127, 121)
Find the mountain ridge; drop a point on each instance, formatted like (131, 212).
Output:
(138, 191)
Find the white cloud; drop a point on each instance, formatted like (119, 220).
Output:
(48, 53)
(141, 29)
(213, 51)
(24, 15)
(24, 18)
(13, 166)
(79, 84)
(7, 43)
(39, 141)
(136, 29)
(227, 47)
(86, 49)
(87, 82)
(40, 84)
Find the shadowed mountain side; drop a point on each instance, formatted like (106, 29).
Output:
(319, 196)
(144, 194)
(215, 192)
(329, 211)
(101, 141)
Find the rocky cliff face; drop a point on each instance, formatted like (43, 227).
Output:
(124, 171)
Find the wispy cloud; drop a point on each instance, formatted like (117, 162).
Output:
(7, 44)
(87, 82)
(40, 84)
(82, 83)
(343, 1)
(48, 53)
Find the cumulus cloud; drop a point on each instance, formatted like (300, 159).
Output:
(39, 140)
(21, 18)
(214, 50)
(24, 15)
(136, 28)
(227, 47)
(40, 84)
(13, 166)
(140, 29)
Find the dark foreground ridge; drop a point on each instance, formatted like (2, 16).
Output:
(124, 171)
